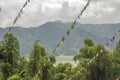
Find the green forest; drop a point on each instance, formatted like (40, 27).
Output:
(41, 65)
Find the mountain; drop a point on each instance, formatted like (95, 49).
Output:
(50, 34)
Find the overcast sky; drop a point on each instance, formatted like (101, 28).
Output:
(38, 12)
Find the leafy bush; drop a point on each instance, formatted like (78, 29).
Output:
(14, 77)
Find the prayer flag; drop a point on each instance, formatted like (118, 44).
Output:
(49, 59)
(94, 57)
(79, 17)
(68, 32)
(116, 34)
(63, 38)
(61, 42)
(102, 50)
(97, 55)
(28, 0)
(15, 20)
(25, 4)
(113, 38)
(39, 71)
(90, 61)
(58, 45)
(85, 7)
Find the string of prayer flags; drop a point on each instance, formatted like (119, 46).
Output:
(25, 4)
(94, 57)
(85, 7)
(19, 14)
(112, 39)
(21, 10)
(102, 49)
(71, 27)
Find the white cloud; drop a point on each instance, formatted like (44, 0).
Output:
(40, 11)
(51, 6)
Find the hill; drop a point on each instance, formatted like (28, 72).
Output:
(50, 33)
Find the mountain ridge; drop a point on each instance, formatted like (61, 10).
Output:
(50, 33)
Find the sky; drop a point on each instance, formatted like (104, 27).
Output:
(38, 12)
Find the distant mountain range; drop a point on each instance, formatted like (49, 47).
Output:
(50, 34)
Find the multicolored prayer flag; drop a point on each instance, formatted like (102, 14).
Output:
(61, 42)
(58, 45)
(85, 7)
(79, 17)
(63, 38)
(97, 55)
(113, 37)
(68, 32)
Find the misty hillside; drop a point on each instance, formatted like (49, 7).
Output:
(50, 33)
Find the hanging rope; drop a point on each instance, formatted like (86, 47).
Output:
(64, 37)
(71, 27)
(19, 14)
(102, 49)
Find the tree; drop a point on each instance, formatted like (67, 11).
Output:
(63, 71)
(35, 57)
(40, 64)
(100, 68)
(22, 66)
(14, 77)
(10, 52)
(116, 60)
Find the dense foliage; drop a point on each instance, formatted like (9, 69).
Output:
(41, 66)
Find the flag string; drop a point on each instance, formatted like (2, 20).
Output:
(19, 14)
(65, 36)
(61, 42)
(102, 49)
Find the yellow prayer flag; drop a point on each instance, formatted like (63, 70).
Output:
(90, 61)
(116, 33)
(97, 55)
(61, 42)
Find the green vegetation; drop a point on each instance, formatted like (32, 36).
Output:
(41, 66)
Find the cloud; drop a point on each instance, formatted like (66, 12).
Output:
(38, 12)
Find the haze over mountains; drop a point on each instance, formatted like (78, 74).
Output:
(50, 34)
